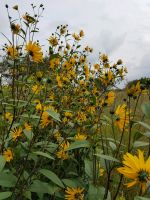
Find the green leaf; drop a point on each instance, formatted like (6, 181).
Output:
(42, 187)
(52, 176)
(28, 134)
(88, 167)
(40, 153)
(140, 144)
(112, 145)
(146, 109)
(106, 157)
(141, 198)
(2, 162)
(53, 56)
(70, 183)
(97, 193)
(27, 194)
(147, 134)
(145, 125)
(5, 195)
(7, 180)
(78, 144)
(54, 115)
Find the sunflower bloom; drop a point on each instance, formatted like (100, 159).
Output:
(62, 153)
(12, 52)
(8, 154)
(136, 169)
(34, 51)
(27, 127)
(122, 116)
(16, 132)
(74, 194)
(45, 120)
(15, 28)
(80, 136)
(8, 117)
(109, 99)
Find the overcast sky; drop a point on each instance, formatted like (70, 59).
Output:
(120, 28)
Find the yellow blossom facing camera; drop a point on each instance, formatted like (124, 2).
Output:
(74, 193)
(45, 120)
(34, 51)
(81, 117)
(8, 117)
(53, 41)
(136, 169)
(16, 132)
(8, 154)
(12, 52)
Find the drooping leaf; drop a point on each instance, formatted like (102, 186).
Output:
(140, 144)
(2, 162)
(40, 153)
(54, 115)
(145, 125)
(42, 187)
(78, 144)
(146, 109)
(106, 157)
(7, 180)
(5, 195)
(52, 176)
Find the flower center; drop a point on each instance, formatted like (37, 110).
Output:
(31, 53)
(143, 176)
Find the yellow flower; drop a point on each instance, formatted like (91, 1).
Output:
(28, 18)
(8, 117)
(54, 63)
(16, 132)
(8, 154)
(74, 194)
(28, 127)
(80, 136)
(12, 52)
(76, 36)
(91, 109)
(122, 116)
(59, 82)
(62, 153)
(109, 99)
(104, 58)
(45, 119)
(107, 77)
(36, 89)
(96, 66)
(81, 117)
(52, 96)
(136, 169)
(57, 135)
(53, 41)
(34, 50)
(15, 28)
